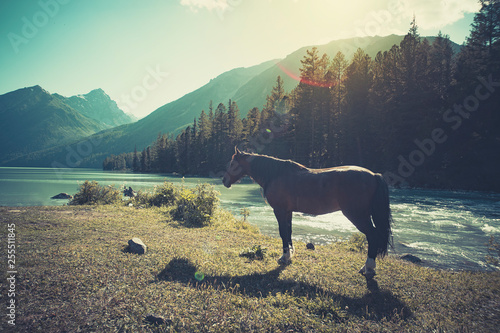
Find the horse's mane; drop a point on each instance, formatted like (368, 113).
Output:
(266, 168)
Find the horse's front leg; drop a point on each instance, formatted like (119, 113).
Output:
(284, 218)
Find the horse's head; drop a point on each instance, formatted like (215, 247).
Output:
(237, 168)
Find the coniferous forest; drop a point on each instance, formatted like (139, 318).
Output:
(418, 113)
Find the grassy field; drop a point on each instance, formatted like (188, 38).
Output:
(74, 275)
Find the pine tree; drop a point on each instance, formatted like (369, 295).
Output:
(308, 107)
(333, 108)
(235, 125)
(482, 50)
(276, 100)
(252, 122)
(337, 69)
(148, 159)
(203, 139)
(355, 120)
(440, 66)
(408, 59)
(220, 134)
(136, 163)
(144, 160)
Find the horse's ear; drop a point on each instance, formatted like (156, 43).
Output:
(236, 150)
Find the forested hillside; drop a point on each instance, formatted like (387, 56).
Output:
(416, 113)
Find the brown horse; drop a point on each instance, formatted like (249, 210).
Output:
(361, 195)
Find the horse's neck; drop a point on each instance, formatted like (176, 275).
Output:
(259, 174)
(257, 177)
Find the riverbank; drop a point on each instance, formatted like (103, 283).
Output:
(74, 275)
(445, 229)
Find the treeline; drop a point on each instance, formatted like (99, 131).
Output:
(418, 113)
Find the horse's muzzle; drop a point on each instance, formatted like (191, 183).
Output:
(226, 181)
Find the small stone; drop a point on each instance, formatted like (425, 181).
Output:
(135, 245)
(310, 246)
(157, 320)
(411, 258)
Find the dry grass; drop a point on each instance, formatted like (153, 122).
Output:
(73, 275)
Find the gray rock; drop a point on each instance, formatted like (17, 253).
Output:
(62, 196)
(411, 258)
(129, 192)
(135, 245)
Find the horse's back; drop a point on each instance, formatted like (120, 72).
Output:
(321, 191)
(355, 187)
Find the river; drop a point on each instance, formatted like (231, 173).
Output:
(446, 229)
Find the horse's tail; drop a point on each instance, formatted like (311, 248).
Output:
(381, 215)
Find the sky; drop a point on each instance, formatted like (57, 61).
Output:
(147, 53)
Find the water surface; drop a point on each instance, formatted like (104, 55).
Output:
(447, 229)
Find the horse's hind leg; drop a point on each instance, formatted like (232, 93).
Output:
(364, 224)
(368, 270)
(285, 226)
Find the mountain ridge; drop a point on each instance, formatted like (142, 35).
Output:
(371, 45)
(92, 105)
(248, 87)
(32, 119)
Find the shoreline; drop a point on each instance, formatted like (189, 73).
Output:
(424, 263)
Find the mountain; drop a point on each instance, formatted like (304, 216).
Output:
(99, 106)
(247, 86)
(32, 119)
(175, 116)
(169, 118)
(255, 91)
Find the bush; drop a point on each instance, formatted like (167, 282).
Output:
(197, 206)
(163, 195)
(224, 220)
(257, 252)
(91, 193)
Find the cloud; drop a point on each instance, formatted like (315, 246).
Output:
(436, 14)
(220, 5)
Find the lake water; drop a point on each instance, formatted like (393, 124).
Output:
(447, 229)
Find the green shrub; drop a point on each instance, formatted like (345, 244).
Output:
(91, 193)
(196, 206)
(142, 198)
(256, 252)
(163, 195)
(245, 212)
(224, 220)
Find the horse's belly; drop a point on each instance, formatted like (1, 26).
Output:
(316, 206)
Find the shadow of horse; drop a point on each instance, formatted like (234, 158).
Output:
(376, 304)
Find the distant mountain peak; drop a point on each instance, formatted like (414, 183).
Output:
(97, 105)
(36, 89)
(98, 91)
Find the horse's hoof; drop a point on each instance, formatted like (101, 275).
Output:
(286, 258)
(368, 273)
(284, 261)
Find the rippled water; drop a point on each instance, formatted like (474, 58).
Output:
(447, 229)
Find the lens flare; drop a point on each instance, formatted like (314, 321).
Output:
(302, 80)
(199, 276)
